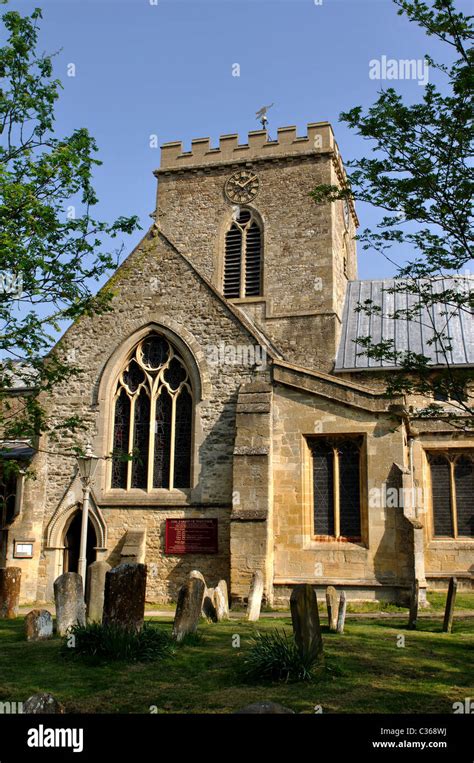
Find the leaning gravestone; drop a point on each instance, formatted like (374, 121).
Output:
(43, 704)
(38, 625)
(124, 596)
(220, 604)
(255, 597)
(199, 575)
(10, 579)
(95, 587)
(341, 613)
(69, 600)
(305, 619)
(208, 606)
(413, 616)
(208, 609)
(221, 600)
(450, 602)
(331, 601)
(188, 608)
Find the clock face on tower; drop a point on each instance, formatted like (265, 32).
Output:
(242, 186)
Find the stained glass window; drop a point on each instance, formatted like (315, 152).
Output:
(336, 486)
(161, 467)
(121, 443)
(153, 414)
(452, 490)
(182, 454)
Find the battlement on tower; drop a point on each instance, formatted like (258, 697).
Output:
(318, 139)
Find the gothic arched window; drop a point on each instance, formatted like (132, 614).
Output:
(153, 410)
(243, 257)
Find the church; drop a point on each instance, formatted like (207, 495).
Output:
(237, 423)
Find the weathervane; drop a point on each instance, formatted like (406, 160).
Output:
(261, 115)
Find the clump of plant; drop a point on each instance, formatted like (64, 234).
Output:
(111, 642)
(192, 639)
(274, 656)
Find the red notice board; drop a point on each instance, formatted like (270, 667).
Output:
(191, 536)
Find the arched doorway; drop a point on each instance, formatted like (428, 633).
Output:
(72, 543)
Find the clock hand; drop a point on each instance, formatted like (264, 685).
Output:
(242, 185)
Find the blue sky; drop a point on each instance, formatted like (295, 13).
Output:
(165, 69)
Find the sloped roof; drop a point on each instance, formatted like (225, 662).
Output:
(16, 449)
(408, 335)
(21, 376)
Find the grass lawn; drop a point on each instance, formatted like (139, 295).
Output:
(365, 672)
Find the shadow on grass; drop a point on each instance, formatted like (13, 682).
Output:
(367, 672)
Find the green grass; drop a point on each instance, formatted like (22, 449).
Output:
(366, 671)
(464, 600)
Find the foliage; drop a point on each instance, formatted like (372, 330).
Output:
(52, 249)
(111, 642)
(420, 175)
(274, 656)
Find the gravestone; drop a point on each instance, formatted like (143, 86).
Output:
(134, 547)
(199, 575)
(255, 597)
(124, 596)
(38, 625)
(331, 602)
(414, 598)
(208, 606)
(95, 587)
(69, 601)
(341, 613)
(305, 619)
(450, 602)
(220, 604)
(221, 600)
(10, 580)
(188, 608)
(43, 704)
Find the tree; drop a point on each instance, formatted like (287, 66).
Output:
(52, 249)
(420, 176)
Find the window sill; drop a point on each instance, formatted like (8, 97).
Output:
(246, 300)
(155, 498)
(331, 544)
(333, 539)
(455, 543)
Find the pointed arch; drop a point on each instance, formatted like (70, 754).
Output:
(242, 272)
(153, 402)
(61, 519)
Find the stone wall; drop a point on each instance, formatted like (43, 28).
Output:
(155, 288)
(303, 243)
(383, 557)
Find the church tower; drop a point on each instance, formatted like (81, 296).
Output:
(243, 214)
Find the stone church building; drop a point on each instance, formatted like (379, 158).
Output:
(229, 368)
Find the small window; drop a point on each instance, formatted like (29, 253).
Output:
(336, 487)
(243, 257)
(452, 491)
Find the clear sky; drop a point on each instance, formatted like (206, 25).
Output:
(164, 68)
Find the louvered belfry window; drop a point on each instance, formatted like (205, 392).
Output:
(336, 486)
(243, 257)
(452, 491)
(153, 410)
